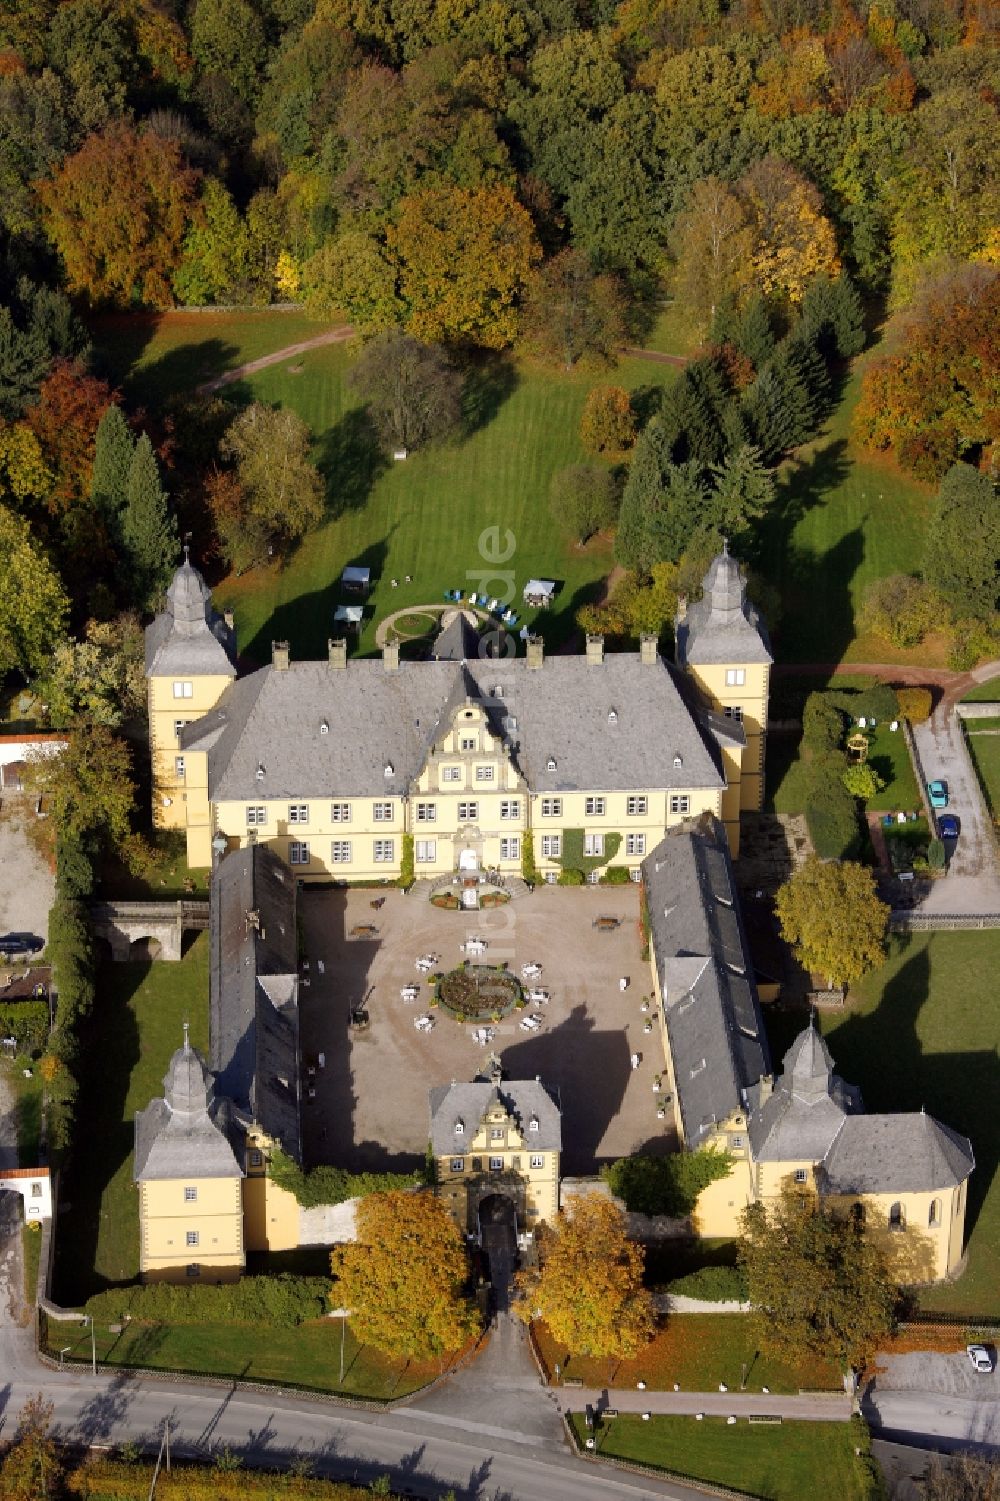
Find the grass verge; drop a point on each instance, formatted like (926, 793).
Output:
(984, 693)
(983, 739)
(31, 1240)
(785, 1462)
(127, 1043)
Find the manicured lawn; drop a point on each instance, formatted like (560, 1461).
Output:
(841, 519)
(698, 1351)
(132, 1482)
(29, 1116)
(924, 1030)
(983, 736)
(31, 1240)
(430, 517)
(984, 693)
(167, 878)
(782, 1463)
(307, 1356)
(135, 1027)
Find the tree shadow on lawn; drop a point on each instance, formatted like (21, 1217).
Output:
(882, 1052)
(350, 458)
(817, 621)
(490, 380)
(181, 370)
(306, 622)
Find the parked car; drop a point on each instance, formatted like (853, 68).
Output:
(981, 1357)
(938, 794)
(948, 826)
(13, 944)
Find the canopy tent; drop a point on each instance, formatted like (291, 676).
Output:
(348, 615)
(539, 591)
(356, 579)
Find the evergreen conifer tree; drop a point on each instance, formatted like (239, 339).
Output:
(114, 449)
(755, 336)
(962, 555)
(833, 313)
(149, 532)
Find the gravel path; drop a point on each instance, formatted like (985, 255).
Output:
(332, 336)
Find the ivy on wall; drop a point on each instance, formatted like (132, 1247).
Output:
(573, 858)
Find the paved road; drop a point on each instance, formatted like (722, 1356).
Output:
(826, 1408)
(933, 1419)
(973, 882)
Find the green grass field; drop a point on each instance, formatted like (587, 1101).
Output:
(135, 1027)
(924, 1031)
(983, 737)
(984, 693)
(307, 1356)
(781, 1463)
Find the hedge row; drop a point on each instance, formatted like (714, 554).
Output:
(333, 1185)
(665, 1185)
(713, 1284)
(117, 1480)
(282, 1301)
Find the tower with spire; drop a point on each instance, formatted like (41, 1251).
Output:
(190, 661)
(722, 642)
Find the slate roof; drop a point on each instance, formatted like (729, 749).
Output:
(711, 1011)
(188, 637)
(187, 1134)
(909, 1153)
(801, 1119)
(253, 1001)
(270, 721)
(469, 1103)
(722, 626)
(458, 641)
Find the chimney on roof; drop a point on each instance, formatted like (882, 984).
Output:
(595, 649)
(337, 648)
(230, 619)
(536, 652)
(390, 656)
(647, 650)
(280, 655)
(682, 607)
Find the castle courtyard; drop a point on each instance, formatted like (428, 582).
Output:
(370, 1107)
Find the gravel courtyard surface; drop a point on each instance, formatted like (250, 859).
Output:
(371, 1108)
(27, 886)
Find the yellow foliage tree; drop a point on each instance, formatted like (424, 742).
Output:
(793, 241)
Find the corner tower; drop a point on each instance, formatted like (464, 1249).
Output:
(722, 642)
(190, 661)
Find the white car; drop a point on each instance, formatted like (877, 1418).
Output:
(981, 1357)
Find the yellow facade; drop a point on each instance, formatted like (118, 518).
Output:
(180, 779)
(740, 691)
(191, 1230)
(499, 1158)
(270, 1213)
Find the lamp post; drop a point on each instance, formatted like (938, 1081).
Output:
(64, 1351)
(343, 1331)
(89, 1319)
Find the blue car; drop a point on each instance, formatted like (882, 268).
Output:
(948, 826)
(938, 794)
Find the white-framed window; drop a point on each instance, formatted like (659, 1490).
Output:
(801, 1175)
(593, 876)
(680, 803)
(427, 812)
(510, 808)
(635, 875)
(340, 851)
(340, 812)
(179, 766)
(178, 726)
(382, 812)
(384, 851)
(736, 677)
(551, 877)
(537, 1161)
(192, 1237)
(193, 1269)
(551, 846)
(737, 1143)
(468, 812)
(183, 690)
(459, 1128)
(451, 773)
(458, 1164)
(496, 1164)
(190, 1195)
(298, 813)
(596, 807)
(425, 851)
(256, 1158)
(469, 742)
(593, 845)
(256, 815)
(635, 844)
(510, 848)
(552, 807)
(496, 1133)
(637, 806)
(298, 852)
(485, 773)
(733, 711)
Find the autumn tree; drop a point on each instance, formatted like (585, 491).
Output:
(607, 424)
(402, 1279)
(99, 679)
(817, 1283)
(901, 609)
(793, 241)
(583, 499)
(280, 494)
(413, 391)
(961, 1477)
(354, 273)
(571, 315)
(962, 552)
(712, 243)
(464, 257)
(65, 419)
(33, 603)
(31, 1470)
(830, 912)
(588, 1288)
(148, 530)
(117, 211)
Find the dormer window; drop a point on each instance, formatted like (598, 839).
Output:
(533, 1123)
(324, 727)
(550, 764)
(459, 1128)
(678, 762)
(498, 690)
(260, 771)
(388, 770)
(612, 716)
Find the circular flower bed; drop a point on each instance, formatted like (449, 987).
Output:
(478, 992)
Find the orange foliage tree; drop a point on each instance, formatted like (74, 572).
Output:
(117, 211)
(64, 420)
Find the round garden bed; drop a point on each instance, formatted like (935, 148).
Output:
(479, 992)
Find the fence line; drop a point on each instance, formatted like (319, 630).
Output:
(940, 922)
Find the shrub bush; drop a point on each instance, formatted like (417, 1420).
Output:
(529, 870)
(28, 1021)
(406, 863)
(936, 855)
(665, 1185)
(615, 875)
(972, 640)
(333, 1185)
(714, 1284)
(914, 704)
(571, 878)
(281, 1301)
(101, 1479)
(831, 813)
(879, 701)
(822, 723)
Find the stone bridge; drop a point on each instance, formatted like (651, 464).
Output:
(164, 923)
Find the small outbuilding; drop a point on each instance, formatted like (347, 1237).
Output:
(356, 580)
(539, 592)
(349, 615)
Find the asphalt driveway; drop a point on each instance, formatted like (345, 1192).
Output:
(972, 885)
